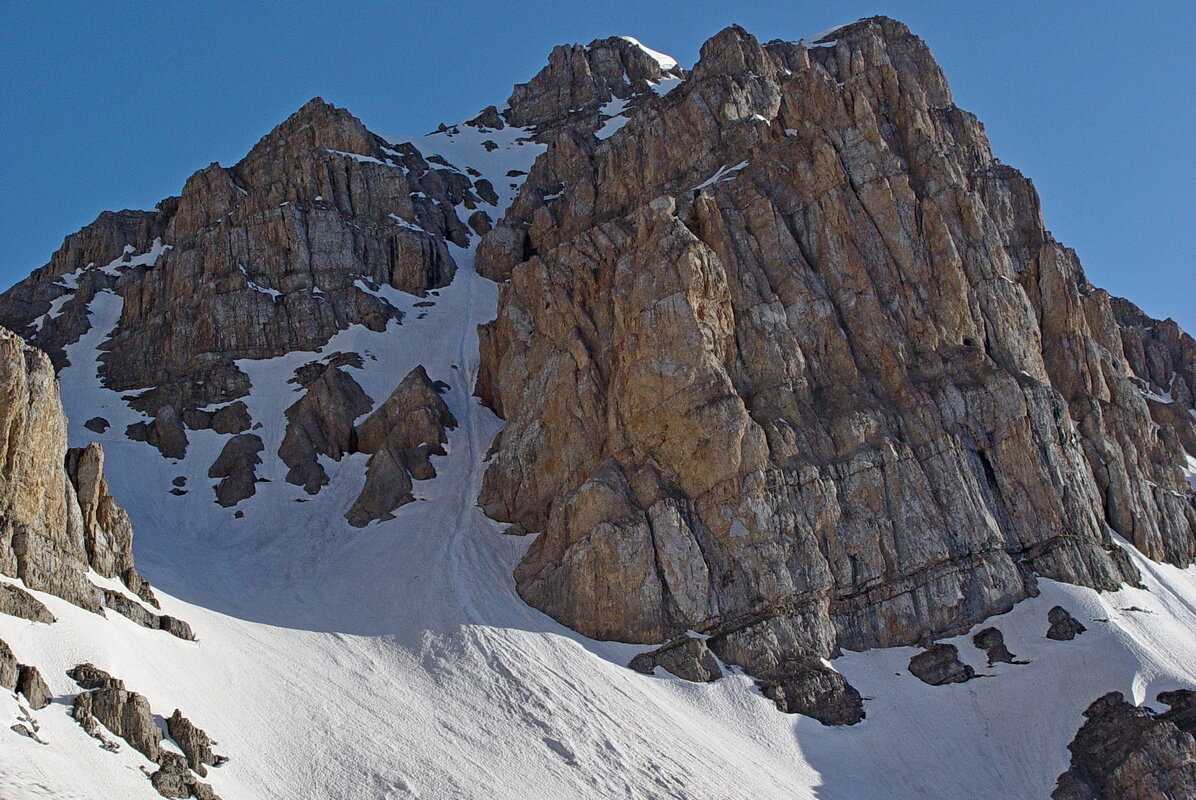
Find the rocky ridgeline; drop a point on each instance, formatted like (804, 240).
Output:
(791, 361)
(269, 256)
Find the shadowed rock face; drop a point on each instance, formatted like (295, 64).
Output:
(790, 360)
(1126, 752)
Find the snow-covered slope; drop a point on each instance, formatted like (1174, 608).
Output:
(398, 661)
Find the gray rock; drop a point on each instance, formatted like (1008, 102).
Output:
(687, 658)
(194, 743)
(89, 676)
(97, 424)
(1124, 751)
(992, 641)
(236, 465)
(810, 688)
(1064, 627)
(321, 422)
(17, 602)
(400, 435)
(166, 432)
(940, 665)
(126, 714)
(172, 779)
(31, 684)
(10, 670)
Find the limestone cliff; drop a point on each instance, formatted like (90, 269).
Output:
(791, 360)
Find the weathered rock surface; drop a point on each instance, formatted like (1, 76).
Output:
(31, 684)
(687, 658)
(1064, 627)
(813, 689)
(1126, 752)
(272, 255)
(236, 466)
(10, 670)
(401, 435)
(792, 354)
(57, 519)
(321, 423)
(17, 602)
(127, 715)
(940, 664)
(194, 743)
(992, 641)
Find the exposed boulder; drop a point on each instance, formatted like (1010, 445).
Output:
(236, 467)
(126, 714)
(1124, 751)
(992, 641)
(813, 689)
(1064, 627)
(97, 425)
(31, 684)
(687, 658)
(939, 665)
(165, 432)
(194, 743)
(10, 670)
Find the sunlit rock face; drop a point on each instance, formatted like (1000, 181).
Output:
(791, 361)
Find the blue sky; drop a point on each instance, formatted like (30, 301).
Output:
(113, 105)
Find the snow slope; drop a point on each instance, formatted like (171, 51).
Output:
(398, 661)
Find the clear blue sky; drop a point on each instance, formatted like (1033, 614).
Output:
(113, 105)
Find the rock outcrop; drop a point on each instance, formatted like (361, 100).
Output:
(1124, 751)
(688, 658)
(321, 423)
(939, 665)
(992, 642)
(791, 360)
(272, 255)
(104, 700)
(1063, 626)
(57, 519)
(400, 436)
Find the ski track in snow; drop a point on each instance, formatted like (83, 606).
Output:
(398, 661)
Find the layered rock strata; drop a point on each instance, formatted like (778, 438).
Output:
(791, 360)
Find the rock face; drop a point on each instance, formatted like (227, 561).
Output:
(321, 423)
(791, 360)
(17, 602)
(813, 689)
(1126, 752)
(128, 715)
(236, 467)
(57, 519)
(269, 256)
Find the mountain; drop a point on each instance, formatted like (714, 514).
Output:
(558, 452)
